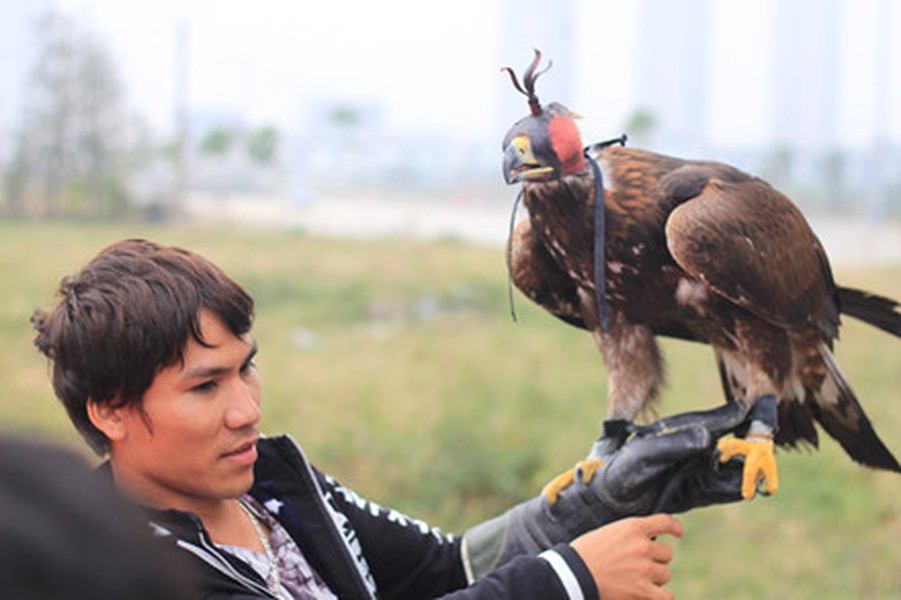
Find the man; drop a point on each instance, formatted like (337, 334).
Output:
(152, 357)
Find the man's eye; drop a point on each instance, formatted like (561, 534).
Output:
(206, 386)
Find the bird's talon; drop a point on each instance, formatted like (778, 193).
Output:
(584, 470)
(587, 468)
(759, 474)
(553, 488)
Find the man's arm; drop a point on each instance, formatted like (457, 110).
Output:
(540, 549)
(409, 559)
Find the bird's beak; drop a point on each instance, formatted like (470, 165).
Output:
(520, 164)
(512, 164)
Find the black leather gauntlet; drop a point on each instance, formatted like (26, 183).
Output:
(668, 466)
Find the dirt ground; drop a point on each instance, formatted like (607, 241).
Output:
(848, 241)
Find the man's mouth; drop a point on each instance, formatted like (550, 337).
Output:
(246, 452)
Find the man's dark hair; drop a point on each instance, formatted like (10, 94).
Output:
(126, 316)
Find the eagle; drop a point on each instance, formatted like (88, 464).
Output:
(631, 245)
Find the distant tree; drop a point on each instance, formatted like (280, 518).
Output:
(345, 116)
(262, 146)
(641, 126)
(218, 142)
(779, 165)
(71, 153)
(832, 167)
(15, 184)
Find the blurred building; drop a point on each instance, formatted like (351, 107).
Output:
(673, 71)
(806, 37)
(818, 95)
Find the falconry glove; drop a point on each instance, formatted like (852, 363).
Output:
(668, 466)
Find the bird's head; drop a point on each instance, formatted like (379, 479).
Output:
(546, 144)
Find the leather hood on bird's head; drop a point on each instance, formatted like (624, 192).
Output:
(533, 124)
(545, 144)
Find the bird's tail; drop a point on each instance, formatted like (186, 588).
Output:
(839, 412)
(876, 310)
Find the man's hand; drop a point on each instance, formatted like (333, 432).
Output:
(625, 559)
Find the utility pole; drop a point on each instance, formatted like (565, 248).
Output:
(182, 175)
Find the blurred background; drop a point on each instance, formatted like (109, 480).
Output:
(282, 108)
(342, 160)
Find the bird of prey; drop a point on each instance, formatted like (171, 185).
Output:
(696, 250)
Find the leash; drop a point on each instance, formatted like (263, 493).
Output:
(510, 255)
(600, 231)
(600, 285)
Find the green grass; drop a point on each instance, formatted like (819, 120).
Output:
(397, 366)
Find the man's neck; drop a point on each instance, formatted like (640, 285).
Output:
(157, 497)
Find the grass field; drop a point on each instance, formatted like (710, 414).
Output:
(397, 366)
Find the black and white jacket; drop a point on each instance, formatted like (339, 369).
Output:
(359, 548)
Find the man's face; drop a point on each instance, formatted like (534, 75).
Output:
(196, 442)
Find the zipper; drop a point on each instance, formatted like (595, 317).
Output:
(320, 502)
(208, 553)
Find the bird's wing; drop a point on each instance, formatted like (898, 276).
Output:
(750, 244)
(537, 275)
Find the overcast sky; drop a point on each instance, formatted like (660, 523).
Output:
(435, 65)
(425, 60)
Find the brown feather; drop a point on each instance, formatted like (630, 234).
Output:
(749, 243)
(536, 275)
(871, 308)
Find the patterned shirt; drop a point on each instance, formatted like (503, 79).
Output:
(298, 579)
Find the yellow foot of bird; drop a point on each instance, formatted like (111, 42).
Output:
(760, 462)
(586, 468)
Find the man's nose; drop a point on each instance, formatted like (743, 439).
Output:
(244, 405)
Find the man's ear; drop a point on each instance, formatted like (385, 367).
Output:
(107, 417)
